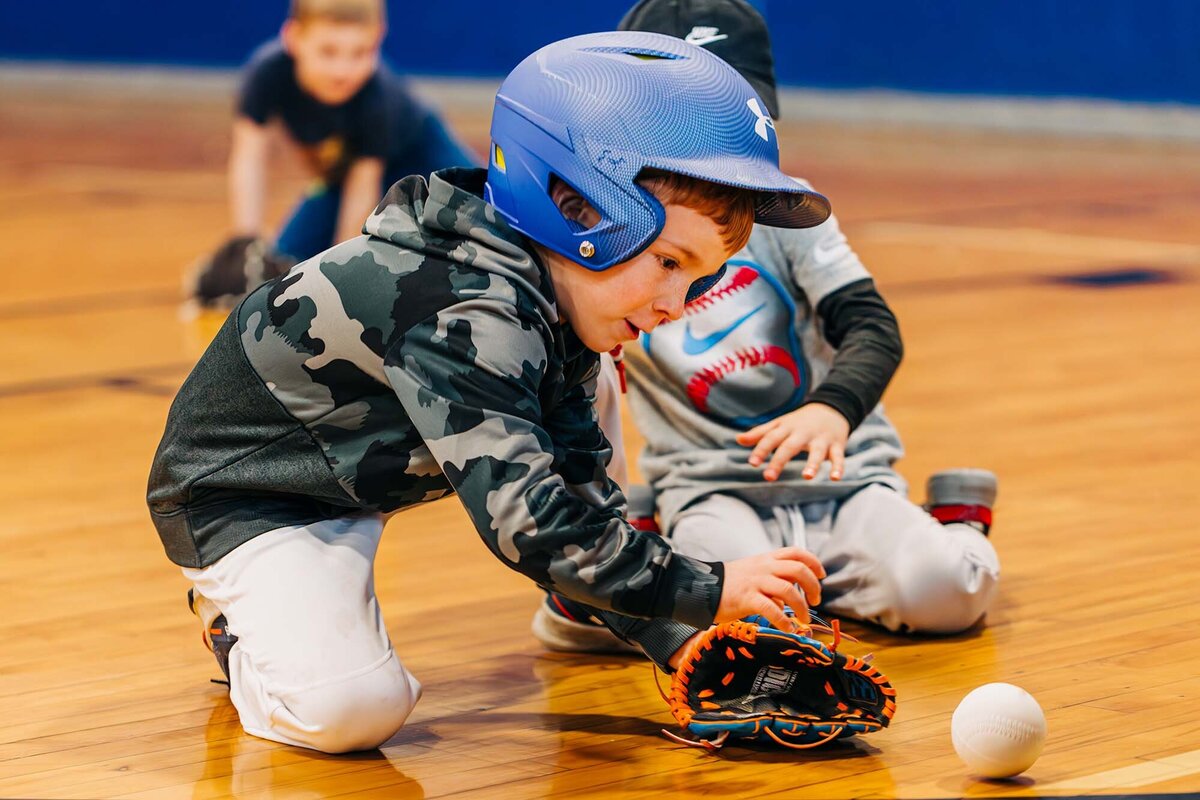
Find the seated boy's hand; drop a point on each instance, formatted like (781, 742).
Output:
(765, 583)
(816, 427)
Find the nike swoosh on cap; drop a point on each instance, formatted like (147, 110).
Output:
(694, 346)
(702, 38)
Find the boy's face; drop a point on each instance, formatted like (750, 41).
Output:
(333, 59)
(616, 305)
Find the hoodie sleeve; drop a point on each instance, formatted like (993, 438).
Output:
(475, 379)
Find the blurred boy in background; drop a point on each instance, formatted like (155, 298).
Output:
(357, 125)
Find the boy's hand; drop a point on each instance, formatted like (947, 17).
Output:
(816, 427)
(765, 583)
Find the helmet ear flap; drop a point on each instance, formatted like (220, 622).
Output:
(702, 285)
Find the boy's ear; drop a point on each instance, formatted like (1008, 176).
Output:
(289, 34)
(571, 204)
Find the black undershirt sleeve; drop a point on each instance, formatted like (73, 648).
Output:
(864, 331)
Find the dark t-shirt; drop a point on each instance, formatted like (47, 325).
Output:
(382, 120)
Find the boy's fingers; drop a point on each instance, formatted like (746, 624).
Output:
(802, 615)
(770, 440)
(790, 597)
(816, 454)
(753, 435)
(803, 556)
(774, 614)
(782, 591)
(799, 604)
(783, 454)
(766, 444)
(837, 456)
(807, 583)
(805, 577)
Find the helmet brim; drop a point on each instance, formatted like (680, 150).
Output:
(781, 201)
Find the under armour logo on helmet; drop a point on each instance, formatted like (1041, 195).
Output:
(763, 122)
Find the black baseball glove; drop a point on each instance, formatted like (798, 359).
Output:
(752, 682)
(238, 267)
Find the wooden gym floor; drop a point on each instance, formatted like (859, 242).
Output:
(1048, 293)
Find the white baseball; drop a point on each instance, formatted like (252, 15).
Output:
(998, 730)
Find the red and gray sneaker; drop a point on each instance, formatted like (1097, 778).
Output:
(567, 627)
(962, 495)
(216, 635)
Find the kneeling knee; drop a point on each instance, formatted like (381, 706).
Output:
(360, 712)
(950, 592)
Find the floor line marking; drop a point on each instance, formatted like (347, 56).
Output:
(1150, 771)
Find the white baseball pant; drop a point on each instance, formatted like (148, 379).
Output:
(313, 665)
(887, 560)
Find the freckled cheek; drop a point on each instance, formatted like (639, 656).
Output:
(622, 302)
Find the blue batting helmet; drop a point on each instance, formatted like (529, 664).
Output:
(596, 110)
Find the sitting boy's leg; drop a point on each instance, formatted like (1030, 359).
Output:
(723, 528)
(891, 563)
(312, 664)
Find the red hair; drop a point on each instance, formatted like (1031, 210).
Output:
(731, 208)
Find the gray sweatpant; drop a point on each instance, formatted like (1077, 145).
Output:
(887, 560)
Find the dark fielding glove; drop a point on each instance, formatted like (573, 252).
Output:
(238, 267)
(749, 681)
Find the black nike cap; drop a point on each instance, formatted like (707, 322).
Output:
(730, 29)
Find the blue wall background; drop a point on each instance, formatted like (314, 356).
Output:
(1145, 50)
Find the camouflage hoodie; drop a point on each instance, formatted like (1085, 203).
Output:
(422, 359)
